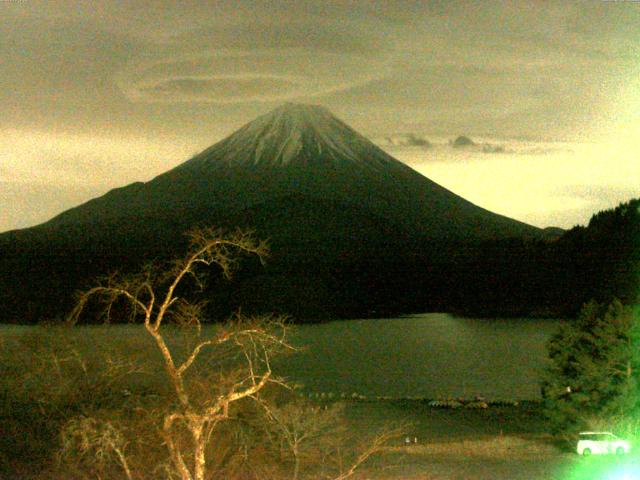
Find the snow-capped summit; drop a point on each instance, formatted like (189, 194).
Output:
(294, 133)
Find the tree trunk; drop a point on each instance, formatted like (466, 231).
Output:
(200, 462)
(296, 463)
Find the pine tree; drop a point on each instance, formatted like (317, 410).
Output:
(592, 382)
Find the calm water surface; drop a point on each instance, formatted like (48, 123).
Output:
(428, 355)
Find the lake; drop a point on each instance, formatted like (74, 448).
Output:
(429, 355)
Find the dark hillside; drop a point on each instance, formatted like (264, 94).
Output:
(352, 230)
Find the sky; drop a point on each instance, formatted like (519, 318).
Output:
(99, 94)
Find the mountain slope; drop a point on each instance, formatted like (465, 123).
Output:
(303, 150)
(325, 196)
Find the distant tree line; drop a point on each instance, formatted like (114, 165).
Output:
(510, 277)
(368, 276)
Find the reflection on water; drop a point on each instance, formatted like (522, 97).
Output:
(428, 355)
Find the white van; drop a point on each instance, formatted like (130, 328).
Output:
(601, 443)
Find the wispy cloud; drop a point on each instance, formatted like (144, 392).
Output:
(256, 61)
(240, 76)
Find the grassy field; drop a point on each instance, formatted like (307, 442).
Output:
(497, 443)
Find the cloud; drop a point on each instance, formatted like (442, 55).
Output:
(221, 89)
(231, 78)
(483, 149)
(402, 140)
(257, 61)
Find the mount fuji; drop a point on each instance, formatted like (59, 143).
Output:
(304, 153)
(348, 224)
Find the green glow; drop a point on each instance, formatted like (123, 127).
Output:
(605, 467)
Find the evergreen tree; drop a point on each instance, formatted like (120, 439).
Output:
(593, 379)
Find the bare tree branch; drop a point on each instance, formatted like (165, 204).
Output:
(377, 445)
(251, 337)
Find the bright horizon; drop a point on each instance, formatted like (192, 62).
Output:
(514, 183)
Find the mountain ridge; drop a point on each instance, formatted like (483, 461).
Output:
(304, 149)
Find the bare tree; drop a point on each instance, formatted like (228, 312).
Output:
(367, 449)
(153, 296)
(318, 436)
(208, 374)
(306, 431)
(101, 440)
